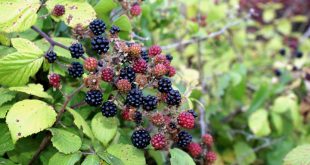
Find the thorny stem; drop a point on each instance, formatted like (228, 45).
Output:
(47, 139)
(48, 39)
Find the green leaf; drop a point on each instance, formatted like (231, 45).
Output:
(6, 95)
(277, 122)
(258, 123)
(28, 117)
(44, 45)
(16, 68)
(5, 39)
(6, 162)
(124, 24)
(6, 143)
(284, 26)
(283, 103)
(104, 128)
(77, 12)
(60, 158)
(104, 8)
(244, 153)
(65, 141)
(3, 110)
(128, 154)
(298, 156)
(91, 160)
(81, 123)
(268, 15)
(19, 15)
(260, 96)
(32, 89)
(179, 157)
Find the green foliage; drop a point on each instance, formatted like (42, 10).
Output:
(180, 157)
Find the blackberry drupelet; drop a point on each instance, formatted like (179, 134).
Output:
(149, 103)
(51, 56)
(108, 109)
(127, 73)
(97, 26)
(114, 30)
(134, 98)
(76, 70)
(164, 85)
(174, 97)
(141, 138)
(184, 139)
(93, 97)
(144, 55)
(76, 50)
(100, 44)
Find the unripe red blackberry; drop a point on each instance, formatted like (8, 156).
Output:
(58, 10)
(194, 149)
(159, 141)
(54, 80)
(158, 119)
(186, 120)
(135, 50)
(90, 64)
(135, 10)
(174, 98)
(141, 80)
(210, 157)
(107, 74)
(171, 71)
(160, 59)
(154, 50)
(123, 85)
(141, 138)
(207, 139)
(160, 70)
(184, 139)
(139, 66)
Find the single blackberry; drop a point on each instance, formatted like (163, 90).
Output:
(277, 72)
(114, 30)
(174, 97)
(282, 52)
(184, 139)
(58, 10)
(298, 54)
(140, 138)
(134, 97)
(108, 109)
(51, 56)
(93, 97)
(100, 44)
(97, 26)
(144, 55)
(191, 111)
(76, 50)
(137, 117)
(76, 69)
(164, 85)
(127, 73)
(169, 57)
(149, 103)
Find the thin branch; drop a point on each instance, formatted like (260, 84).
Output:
(48, 39)
(134, 35)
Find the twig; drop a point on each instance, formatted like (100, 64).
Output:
(48, 39)
(46, 140)
(134, 35)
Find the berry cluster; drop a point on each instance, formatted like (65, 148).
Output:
(131, 69)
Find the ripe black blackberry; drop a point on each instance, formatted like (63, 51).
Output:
(164, 85)
(184, 139)
(174, 97)
(51, 56)
(149, 103)
(93, 98)
(169, 57)
(100, 44)
(282, 52)
(277, 72)
(144, 55)
(108, 109)
(191, 111)
(140, 138)
(114, 30)
(127, 73)
(97, 26)
(76, 50)
(134, 98)
(298, 54)
(76, 69)
(138, 117)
